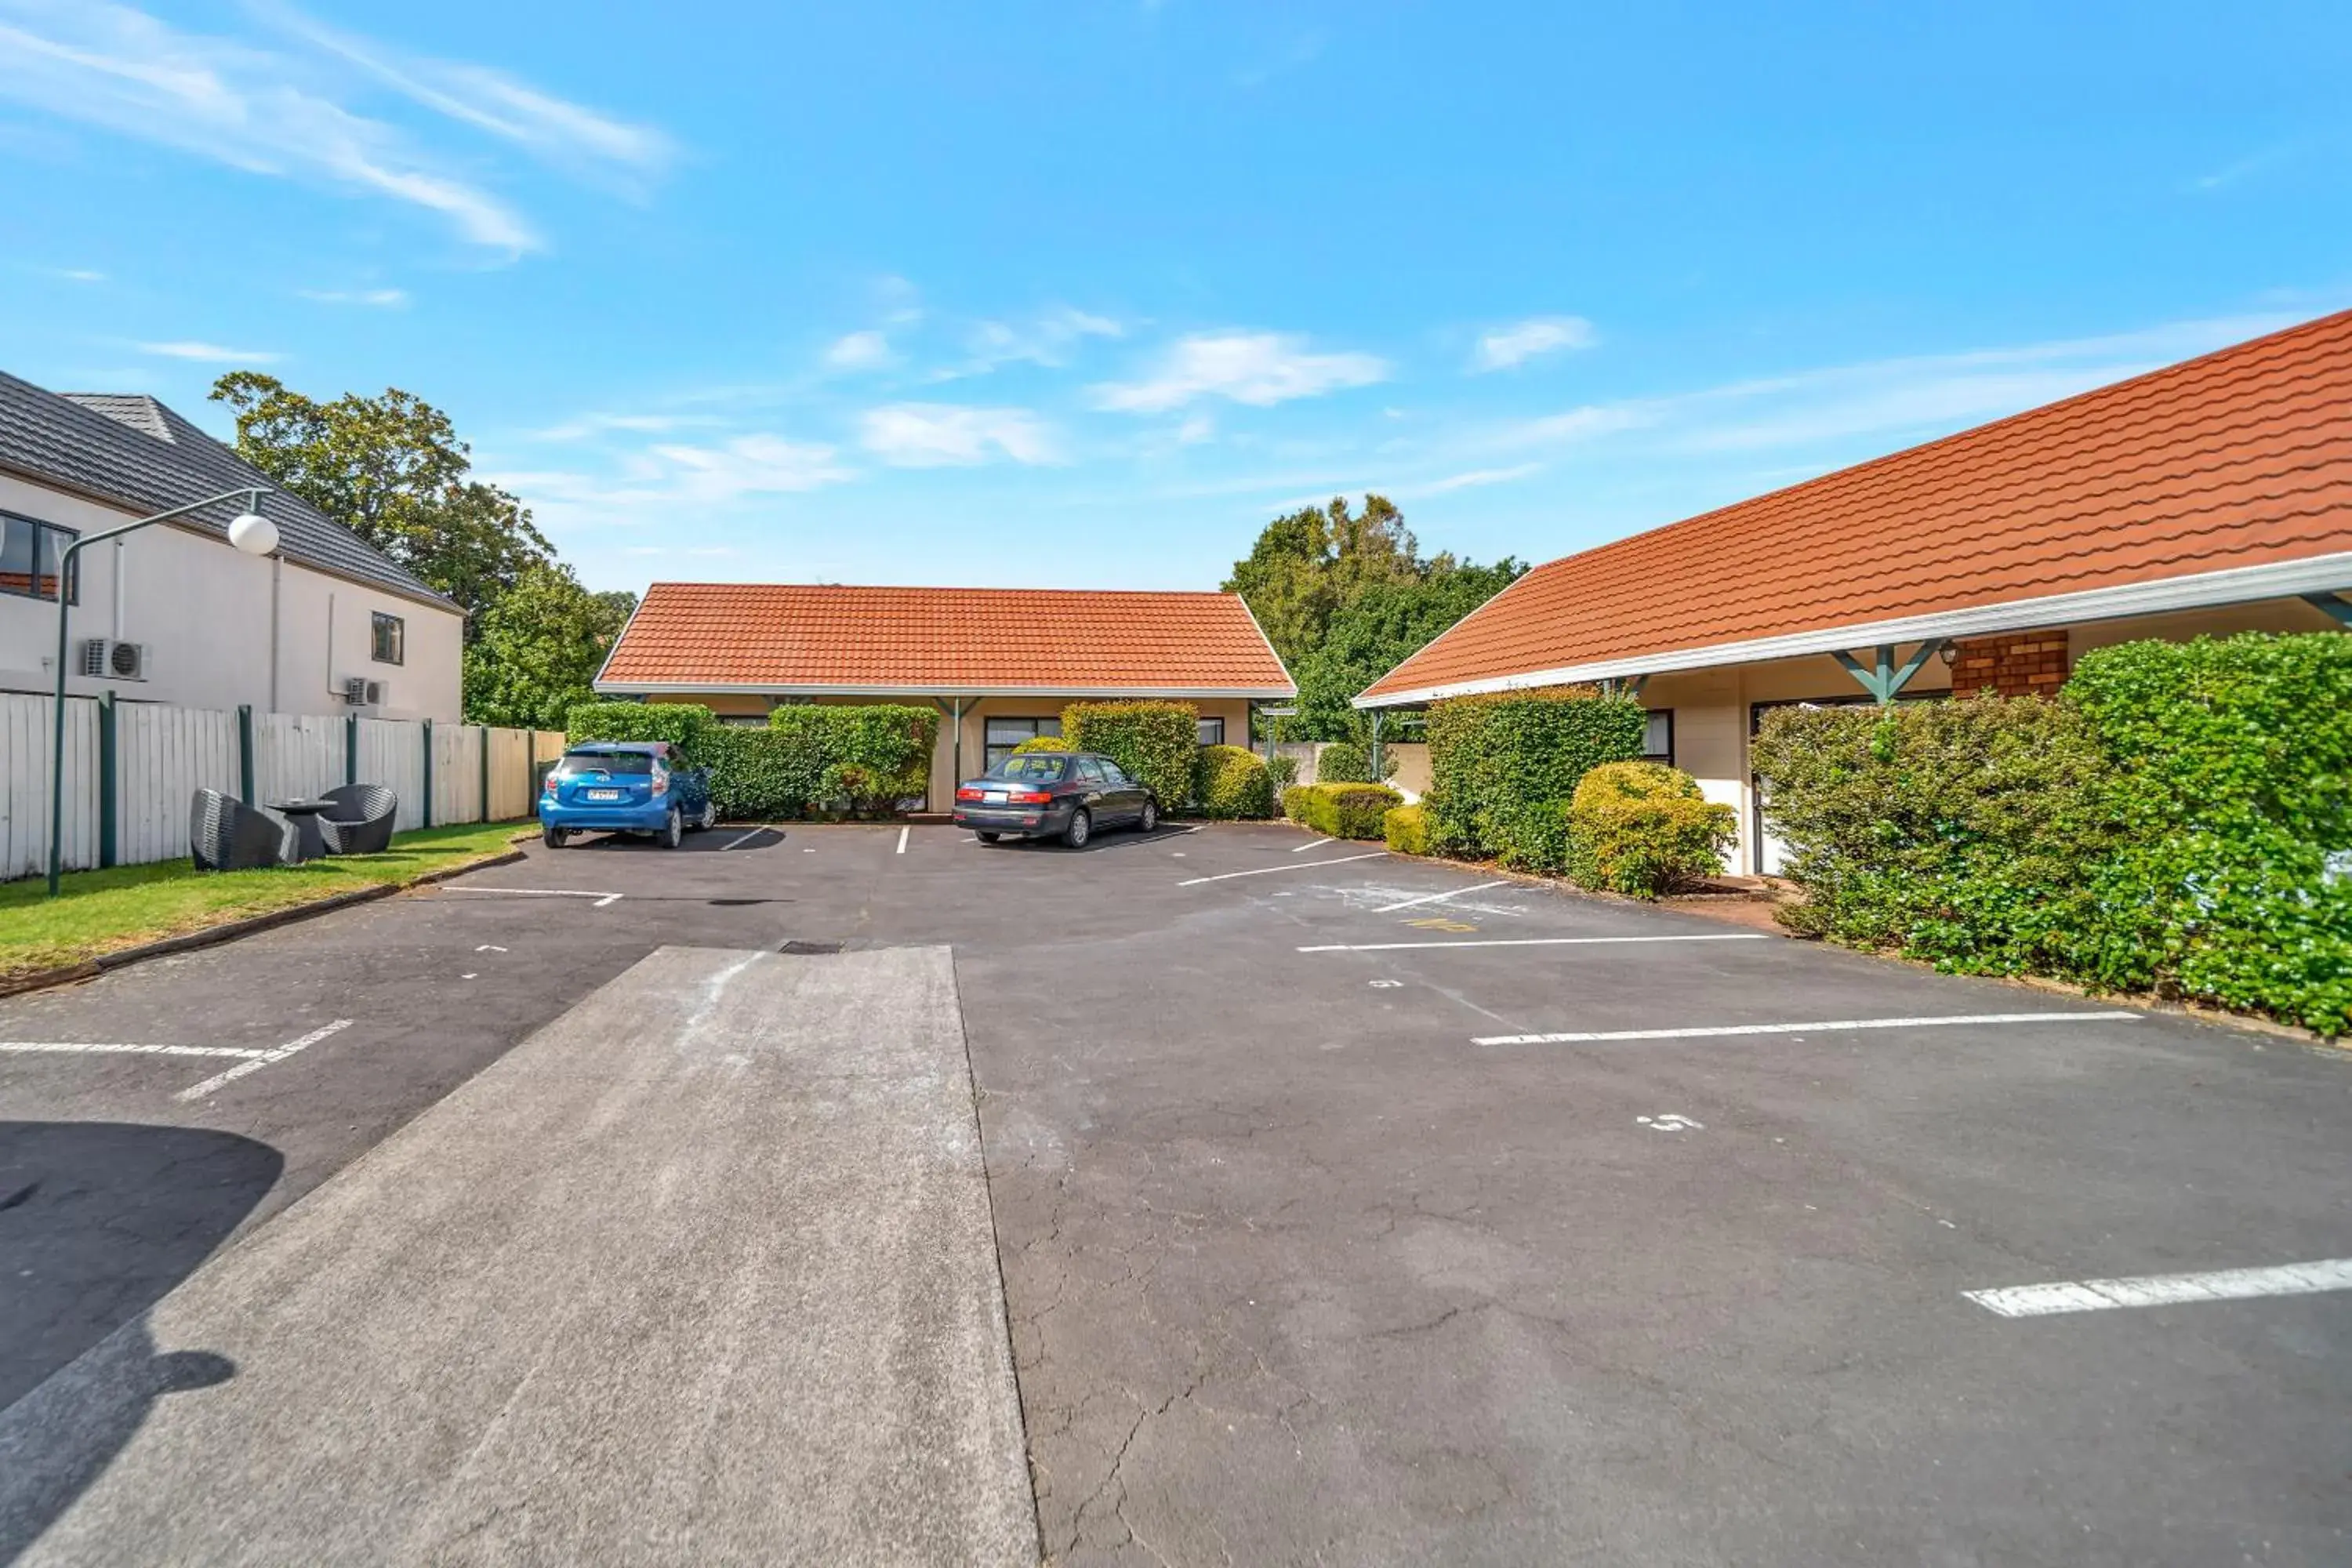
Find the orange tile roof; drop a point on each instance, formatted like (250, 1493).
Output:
(2242, 458)
(817, 639)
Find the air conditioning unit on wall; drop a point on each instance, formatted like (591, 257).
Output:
(359, 692)
(104, 659)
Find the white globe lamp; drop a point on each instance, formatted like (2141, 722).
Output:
(252, 534)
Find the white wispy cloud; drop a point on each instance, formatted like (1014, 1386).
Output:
(1049, 339)
(669, 481)
(1522, 341)
(944, 435)
(210, 353)
(859, 351)
(746, 465)
(1477, 478)
(1260, 369)
(291, 114)
(582, 427)
(553, 129)
(78, 274)
(378, 298)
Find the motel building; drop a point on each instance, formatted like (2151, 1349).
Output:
(999, 664)
(2208, 498)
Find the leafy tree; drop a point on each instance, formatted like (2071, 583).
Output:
(392, 469)
(1377, 630)
(1305, 566)
(538, 649)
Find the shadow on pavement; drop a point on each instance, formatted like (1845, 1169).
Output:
(99, 1221)
(708, 841)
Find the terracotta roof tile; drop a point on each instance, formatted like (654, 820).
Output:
(2242, 457)
(824, 637)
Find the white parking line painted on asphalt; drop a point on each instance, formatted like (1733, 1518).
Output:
(1269, 871)
(260, 1060)
(76, 1047)
(1317, 844)
(738, 843)
(2165, 1289)
(602, 898)
(1825, 1026)
(1437, 897)
(902, 841)
(1529, 942)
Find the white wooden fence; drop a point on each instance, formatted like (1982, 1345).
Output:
(160, 756)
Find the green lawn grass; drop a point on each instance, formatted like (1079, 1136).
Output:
(103, 912)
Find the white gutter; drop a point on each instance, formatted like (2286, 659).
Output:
(2239, 584)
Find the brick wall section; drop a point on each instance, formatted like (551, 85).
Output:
(2022, 664)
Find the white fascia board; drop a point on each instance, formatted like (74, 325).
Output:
(2206, 590)
(770, 689)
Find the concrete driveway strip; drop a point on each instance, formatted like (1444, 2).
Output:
(703, 1272)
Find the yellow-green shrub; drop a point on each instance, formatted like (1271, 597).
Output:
(1340, 810)
(1406, 829)
(1643, 829)
(1232, 782)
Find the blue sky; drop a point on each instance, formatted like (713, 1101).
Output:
(1080, 295)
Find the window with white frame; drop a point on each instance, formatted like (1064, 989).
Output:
(1212, 731)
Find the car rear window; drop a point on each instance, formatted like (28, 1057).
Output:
(630, 764)
(1037, 767)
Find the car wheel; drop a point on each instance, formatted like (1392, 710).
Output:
(988, 837)
(1149, 821)
(673, 830)
(555, 837)
(710, 818)
(1081, 828)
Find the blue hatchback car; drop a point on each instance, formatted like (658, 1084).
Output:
(624, 786)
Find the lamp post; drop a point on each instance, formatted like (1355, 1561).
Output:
(249, 531)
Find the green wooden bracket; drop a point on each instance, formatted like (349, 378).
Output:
(428, 772)
(245, 752)
(1887, 680)
(106, 783)
(2332, 604)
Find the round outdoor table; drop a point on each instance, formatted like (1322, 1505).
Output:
(309, 844)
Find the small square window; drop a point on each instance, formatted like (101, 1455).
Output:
(32, 554)
(390, 639)
(1212, 731)
(1658, 737)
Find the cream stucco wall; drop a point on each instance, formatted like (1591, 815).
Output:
(205, 612)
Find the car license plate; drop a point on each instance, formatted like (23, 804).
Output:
(995, 797)
(603, 795)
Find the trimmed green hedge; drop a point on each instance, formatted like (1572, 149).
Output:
(1042, 744)
(1643, 829)
(1503, 768)
(809, 758)
(1152, 742)
(1406, 830)
(1231, 782)
(2168, 824)
(1344, 762)
(1340, 810)
(2234, 789)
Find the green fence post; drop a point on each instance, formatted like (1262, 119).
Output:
(428, 771)
(351, 748)
(105, 779)
(245, 752)
(485, 732)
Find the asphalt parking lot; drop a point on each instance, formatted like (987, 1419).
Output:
(1355, 1209)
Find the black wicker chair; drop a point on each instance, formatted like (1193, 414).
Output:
(226, 835)
(360, 822)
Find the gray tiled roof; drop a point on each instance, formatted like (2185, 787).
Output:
(129, 449)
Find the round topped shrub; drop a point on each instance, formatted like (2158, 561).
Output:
(1644, 828)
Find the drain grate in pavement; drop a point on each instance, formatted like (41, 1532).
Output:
(810, 948)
